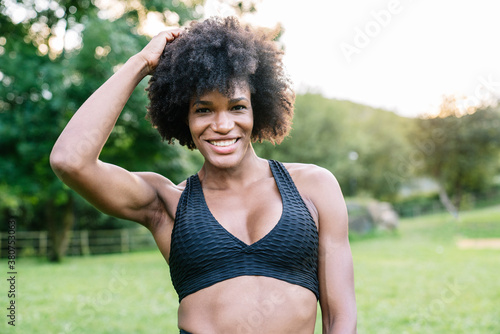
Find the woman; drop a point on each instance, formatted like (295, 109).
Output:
(252, 244)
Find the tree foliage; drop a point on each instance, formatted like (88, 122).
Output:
(54, 54)
(53, 58)
(460, 152)
(360, 145)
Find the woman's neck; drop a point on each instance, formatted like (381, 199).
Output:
(250, 169)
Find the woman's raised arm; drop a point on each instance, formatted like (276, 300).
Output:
(75, 155)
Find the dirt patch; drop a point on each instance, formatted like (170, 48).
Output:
(486, 243)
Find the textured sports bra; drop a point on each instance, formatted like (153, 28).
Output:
(203, 252)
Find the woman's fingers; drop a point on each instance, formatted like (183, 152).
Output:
(152, 52)
(173, 34)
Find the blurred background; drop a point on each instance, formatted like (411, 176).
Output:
(398, 99)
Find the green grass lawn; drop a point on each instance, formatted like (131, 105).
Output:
(412, 281)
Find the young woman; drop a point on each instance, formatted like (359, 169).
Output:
(252, 244)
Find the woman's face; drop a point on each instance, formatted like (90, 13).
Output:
(221, 126)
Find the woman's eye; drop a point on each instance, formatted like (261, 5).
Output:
(239, 107)
(202, 110)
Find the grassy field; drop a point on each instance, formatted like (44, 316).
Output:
(413, 281)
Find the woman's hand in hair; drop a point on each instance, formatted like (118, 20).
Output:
(152, 52)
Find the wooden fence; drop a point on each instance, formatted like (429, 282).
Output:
(85, 242)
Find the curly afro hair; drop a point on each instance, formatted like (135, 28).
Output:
(217, 54)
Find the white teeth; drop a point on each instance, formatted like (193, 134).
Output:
(223, 142)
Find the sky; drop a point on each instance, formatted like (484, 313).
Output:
(400, 55)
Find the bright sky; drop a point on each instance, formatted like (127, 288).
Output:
(402, 55)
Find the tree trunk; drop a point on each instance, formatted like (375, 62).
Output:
(446, 201)
(59, 228)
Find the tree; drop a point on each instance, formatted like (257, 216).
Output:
(460, 152)
(54, 54)
(360, 145)
(53, 57)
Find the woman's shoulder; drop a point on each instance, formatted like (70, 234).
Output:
(313, 181)
(318, 187)
(309, 173)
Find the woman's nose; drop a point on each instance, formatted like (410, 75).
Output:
(222, 122)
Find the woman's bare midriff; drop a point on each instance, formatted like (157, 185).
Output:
(249, 304)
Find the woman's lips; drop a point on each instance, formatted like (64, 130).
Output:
(223, 143)
(224, 146)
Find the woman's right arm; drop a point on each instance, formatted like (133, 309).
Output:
(75, 155)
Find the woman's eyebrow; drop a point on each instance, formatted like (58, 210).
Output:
(238, 99)
(210, 103)
(201, 102)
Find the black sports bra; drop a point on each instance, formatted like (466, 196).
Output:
(203, 252)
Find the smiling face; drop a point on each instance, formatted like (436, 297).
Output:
(221, 126)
